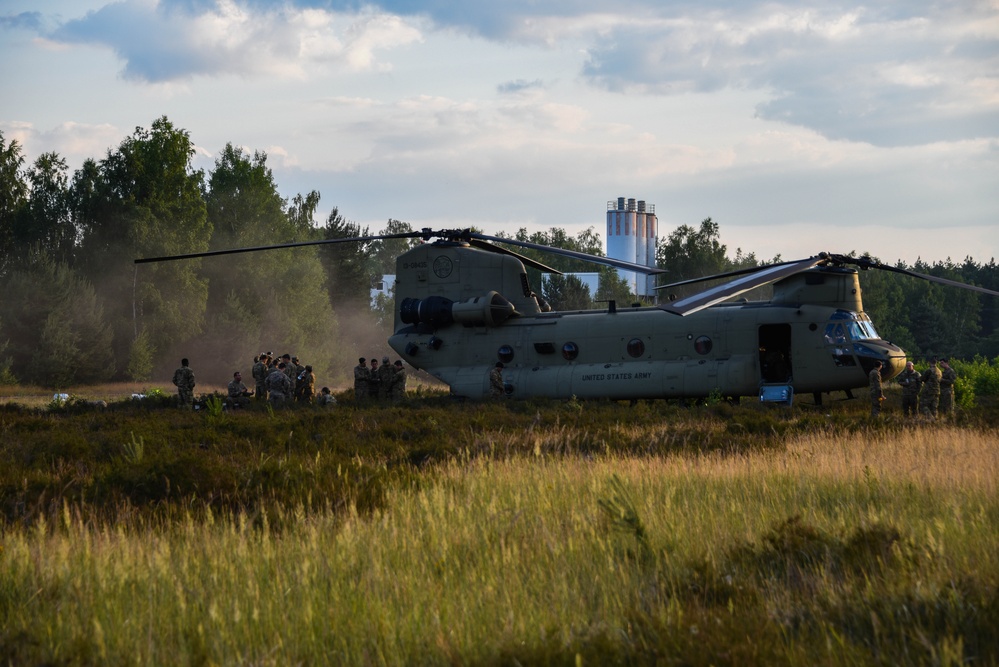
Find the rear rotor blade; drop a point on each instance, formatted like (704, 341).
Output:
(297, 244)
(489, 247)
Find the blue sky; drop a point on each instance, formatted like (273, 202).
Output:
(797, 127)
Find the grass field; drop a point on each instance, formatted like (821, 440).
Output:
(498, 533)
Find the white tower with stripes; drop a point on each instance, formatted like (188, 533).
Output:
(632, 232)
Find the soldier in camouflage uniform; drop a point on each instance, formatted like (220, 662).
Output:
(910, 382)
(298, 372)
(929, 397)
(361, 376)
(260, 376)
(306, 388)
(948, 376)
(325, 398)
(279, 386)
(877, 393)
(398, 392)
(239, 395)
(386, 373)
(374, 382)
(183, 378)
(496, 380)
(289, 370)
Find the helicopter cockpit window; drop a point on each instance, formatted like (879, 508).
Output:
(636, 347)
(835, 334)
(862, 330)
(858, 326)
(702, 345)
(570, 351)
(505, 354)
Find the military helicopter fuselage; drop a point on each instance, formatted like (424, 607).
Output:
(460, 309)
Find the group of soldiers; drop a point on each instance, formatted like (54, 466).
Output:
(931, 391)
(386, 382)
(282, 380)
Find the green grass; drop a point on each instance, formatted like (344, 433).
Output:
(521, 533)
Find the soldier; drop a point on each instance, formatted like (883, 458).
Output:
(948, 376)
(877, 394)
(325, 398)
(386, 373)
(496, 380)
(260, 376)
(306, 387)
(279, 386)
(910, 382)
(361, 376)
(374, 382)
(929, 397)
(183, 377)
(239, 396)
(398, 392)
(298, 370)
(289, 370)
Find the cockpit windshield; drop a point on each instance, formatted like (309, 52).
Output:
(844, 324)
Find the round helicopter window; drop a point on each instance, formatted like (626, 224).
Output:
(505, 354)
(636, 347)
(702, 345)
(570, 351)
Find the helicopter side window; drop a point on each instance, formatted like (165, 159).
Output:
(505, 354)
(570, 351)
(835, 334)
(636, 347)
(703, 345)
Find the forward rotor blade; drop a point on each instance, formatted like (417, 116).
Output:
(606, 261)
(489, 247)
(762, 276)
(298, 244)
(867, 263)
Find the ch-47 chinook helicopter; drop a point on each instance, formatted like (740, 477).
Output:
(463, 303)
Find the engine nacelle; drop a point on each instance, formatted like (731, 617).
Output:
(490, 310)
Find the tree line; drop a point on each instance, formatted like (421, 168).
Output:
(77, 310)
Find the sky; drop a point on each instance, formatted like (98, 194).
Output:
(797, 127)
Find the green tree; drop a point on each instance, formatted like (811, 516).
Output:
(273, 299)
(46, 222)
(144, 199)
(54, 324)
(13, 197)
(692, 253)
(140, 359)
(385, 251)
(349, 266)
(566, 292)
(612, 287)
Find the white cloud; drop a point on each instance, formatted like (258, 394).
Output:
(73, 141)
(158, 43)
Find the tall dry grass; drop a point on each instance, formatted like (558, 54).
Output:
(865, 551)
